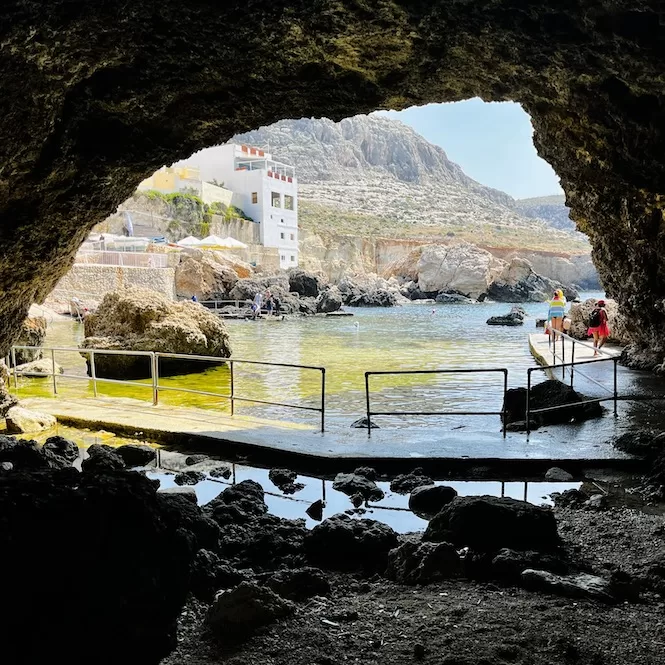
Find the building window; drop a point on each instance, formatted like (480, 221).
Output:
(293, 237)
(288, 202)
(255, 197)
(293, 258)
(282, 221)
(283, 257)
(281, 235)
(276, 200)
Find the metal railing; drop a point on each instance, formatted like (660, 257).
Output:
(220, 304)
(370, 413)
(155, 385)
(125, 259)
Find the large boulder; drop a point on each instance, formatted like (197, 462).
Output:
(580, 316)
(459, 268)
(352, 484)
(20, 420)
(343, 543)
(304, 283)
(237, 504)
(488, 524)
(423, 563)
(136, 454)
(204, 277)
(548, 394)
(519, 282)
(40, 368)
(329, 300)
(514, 318)
(134, 583)
(369, 290)
(427, 500)
(33, 332)
(135, 319)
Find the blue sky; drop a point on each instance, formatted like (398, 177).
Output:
(492, 142)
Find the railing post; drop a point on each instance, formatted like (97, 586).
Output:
(563, 357)
(369, 422)
(572, 367)
(154, 374)
(14, 365)
(323, 399)
(93, 373)
(55, 383)
(615, 386)
(233, 404)
(503, 408)
(528, 410)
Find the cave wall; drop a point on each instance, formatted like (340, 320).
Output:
(94, 96)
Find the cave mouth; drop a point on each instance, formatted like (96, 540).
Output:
(94, 102)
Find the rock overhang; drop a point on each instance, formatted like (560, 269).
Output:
(97, 96)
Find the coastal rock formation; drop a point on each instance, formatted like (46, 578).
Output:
(33, 332)
(369, 290)
(461, 268)
(20, 420)
(304, 283)
(202, 276)
(329, 300)
(141, 320)
(514, 318)
(580, 315)
(518, 282)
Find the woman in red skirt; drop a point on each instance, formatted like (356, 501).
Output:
(598, 326)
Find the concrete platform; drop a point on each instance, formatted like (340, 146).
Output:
(542, 351)
(269, 442)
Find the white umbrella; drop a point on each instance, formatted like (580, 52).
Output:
(214, 241)
(233, 243)
(189, 241)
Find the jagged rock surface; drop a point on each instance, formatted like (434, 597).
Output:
(205, 276)
(33, 332)
(137, 319)
(580, 315)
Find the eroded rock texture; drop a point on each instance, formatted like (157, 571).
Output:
(95, 96)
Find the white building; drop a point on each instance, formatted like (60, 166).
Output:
(267, 191)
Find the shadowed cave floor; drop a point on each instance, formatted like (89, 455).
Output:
(460, 622)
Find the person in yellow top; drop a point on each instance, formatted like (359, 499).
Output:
(557, 309)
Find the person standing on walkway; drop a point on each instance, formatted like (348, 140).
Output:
(269, 302)
(256, 305)
(598, 326)
(557, 309)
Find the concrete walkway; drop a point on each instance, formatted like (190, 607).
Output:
(543, 351)
(274, 441)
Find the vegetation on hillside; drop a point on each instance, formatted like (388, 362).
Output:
(326, 220)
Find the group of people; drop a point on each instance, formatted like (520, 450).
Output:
(598, 327)
(266, 301)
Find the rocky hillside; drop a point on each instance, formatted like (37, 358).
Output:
(551, 209)
(370, 174)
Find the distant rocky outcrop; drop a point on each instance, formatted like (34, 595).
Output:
(135, 319)
(518, 282)
(207, 275)
(580, 316)
(369, 291)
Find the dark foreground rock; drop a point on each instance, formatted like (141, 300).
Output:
(353, 484)
(488, 524)
(58, 446)
(514, 318)
(315, 510)
(133, 586)
(284, 480)
(423, 563)
(133, 454)
(237, 613)
(581, 585)
(210, 575)
(548, 394)
(299, 584)
(189, 478)
(407, 482)
(427, 500)
(343, 543)
(101, 459)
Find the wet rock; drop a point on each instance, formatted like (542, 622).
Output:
(548, 394)
(453, 299)
(521, 426)
(183, 511)
(639, 443)
(283, 479)
(509, 564)
(488, 523)
(101, 459)
(61, 447)
(25, 455)
(357, 500)
(571, 498)
(407, 482)
(237, 613)
(137, 319)
(361, 423)
(190, 460)
(238, 504)
(221, 472)
(299, 584)
(343, 543)
(304, 283)
(366, 471)
(189, 477)
(423, 563)
(20, 420)
(581, 585)
(329, 301)
(427, 500)
(515, 317)
(133, 454)
(352, 484)
(210, 575)
(315, 510)
(556, 474)
(188, 492)
(135, 584)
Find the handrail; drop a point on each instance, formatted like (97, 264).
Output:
(371, 413)
(154, 374)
